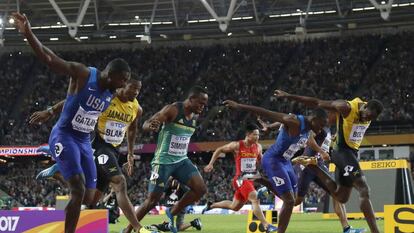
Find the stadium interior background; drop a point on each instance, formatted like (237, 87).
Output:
(245, 50)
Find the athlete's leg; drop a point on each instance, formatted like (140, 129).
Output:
(234, 205)
(361, 185)
(197, 190)
(89, 171)
(268, 184)
(288, 199)
(187, 173)
(306, 176)
(339, 208)
(340, 211)
(58, 176)
(241, 194)
(109, 172)
(257, 211)
(67, 154)
(98, 196)
(181, 226)
(159, 177)
(184, 226)
(73, 208)
(119, 186)
(278, 171)
(149, 204)
(102, 183)
(350, 175)
(346, 168)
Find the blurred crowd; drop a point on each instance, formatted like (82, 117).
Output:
(17, 180)
(370, 66)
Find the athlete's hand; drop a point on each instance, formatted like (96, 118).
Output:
(208, 168)
(21, 22)
(281, 94)
(325, 156)
(265, 126)
(154, 125)
(231, 104)
(40, 117)
(130, 165)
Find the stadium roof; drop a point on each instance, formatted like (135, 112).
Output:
(129, 20)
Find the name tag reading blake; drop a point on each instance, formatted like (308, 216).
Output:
(114, 132)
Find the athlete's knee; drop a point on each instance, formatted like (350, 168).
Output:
(77, 189)
(118, 183)
(200, 190)
(289, 200)
(342, 200)
(298, 201)
(151, 201)
(361, 185)
(89, 197)
(253, 197)
(254, 201)
(364, 192)
(236, 206)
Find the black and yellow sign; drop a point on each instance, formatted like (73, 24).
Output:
(254, 225)
(378, 165)
(399, 218)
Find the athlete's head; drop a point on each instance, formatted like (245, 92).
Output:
(252, 133)
(198, 98)
(319, 120)
(119, 73)
(132, 88)
(371, 110)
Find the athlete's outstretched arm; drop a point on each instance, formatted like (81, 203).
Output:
(230, 147)
(266, 126)
(131, 135)
(41, 117)
(166, 114)
(315, 147)
(340, 106)
(55, 63)
(274, 116)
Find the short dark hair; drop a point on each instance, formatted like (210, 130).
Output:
(320, 113)
(134, 78)
(197, 91)
(375, 105)
(118, 65)
(250, 127)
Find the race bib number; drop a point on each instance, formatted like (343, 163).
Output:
(248, 164)
(114, 132)
(85, 121)
(291, 151)
(357, 133)
(179, 145)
